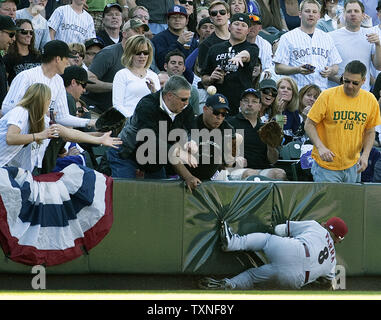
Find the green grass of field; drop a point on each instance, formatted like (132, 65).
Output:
(189, 295)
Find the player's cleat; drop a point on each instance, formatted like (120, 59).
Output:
(213, 284)
(226, 235)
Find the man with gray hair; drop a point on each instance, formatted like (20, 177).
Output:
(149, 137)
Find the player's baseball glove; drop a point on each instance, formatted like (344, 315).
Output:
(271, 134)
(111, 120)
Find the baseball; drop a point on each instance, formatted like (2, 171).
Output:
(211, 90)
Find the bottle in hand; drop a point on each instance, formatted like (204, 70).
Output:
(52, 119)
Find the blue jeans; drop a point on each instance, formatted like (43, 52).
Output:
(321, 174)
(121, 168)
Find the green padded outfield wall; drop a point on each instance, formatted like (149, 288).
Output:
(160, 227)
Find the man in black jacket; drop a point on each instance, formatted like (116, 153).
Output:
(148, 136)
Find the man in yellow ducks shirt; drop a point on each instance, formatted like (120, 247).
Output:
(341, 125)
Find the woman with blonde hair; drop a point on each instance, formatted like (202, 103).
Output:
(136, 80)
(307, 97)
(25, 130)
(287, 104)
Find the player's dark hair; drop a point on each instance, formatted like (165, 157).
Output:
(354, 1)
(356, 67)
(172, 53)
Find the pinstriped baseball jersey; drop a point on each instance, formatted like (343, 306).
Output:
(297, 48)
(28, 77)
(71, 26)
(265, 52)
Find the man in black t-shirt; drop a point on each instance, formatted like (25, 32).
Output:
(229, 65)
(259, 156)
(219, 13)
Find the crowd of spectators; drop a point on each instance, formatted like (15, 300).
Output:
(243, 62)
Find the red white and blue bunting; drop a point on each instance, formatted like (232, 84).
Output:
(53, 218)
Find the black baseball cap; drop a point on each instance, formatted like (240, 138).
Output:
(94, 42)
(57, 48)
(217, 101)
(268, 83)
(6, 23)
(76, 73)
(378, 5)
(251, 91)
(108, 7)
(204, 21)
(243, 17)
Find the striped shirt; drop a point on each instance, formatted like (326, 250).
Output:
(297, 48)
(71, 26)
(28, 77)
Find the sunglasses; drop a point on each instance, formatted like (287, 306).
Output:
(255, 18)
(182, 99)
(10, 34)
(74, 53)
(215, 12)
(145, 52)
(186, 2)
(355, 83)
(217, 113)
(83, 84)
(270, 92)
(141, 17)
(26, 32)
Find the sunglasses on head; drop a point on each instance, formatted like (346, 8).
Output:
(269, 91)
(145, 52)
(217, 113)
(355, 83)
(214, 13)
(26, 32)
(10, 34)
(186, 1)
(255, 18)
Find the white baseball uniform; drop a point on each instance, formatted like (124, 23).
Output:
(297, 48)
(71, 26)
(301, 252)
(28, 77)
